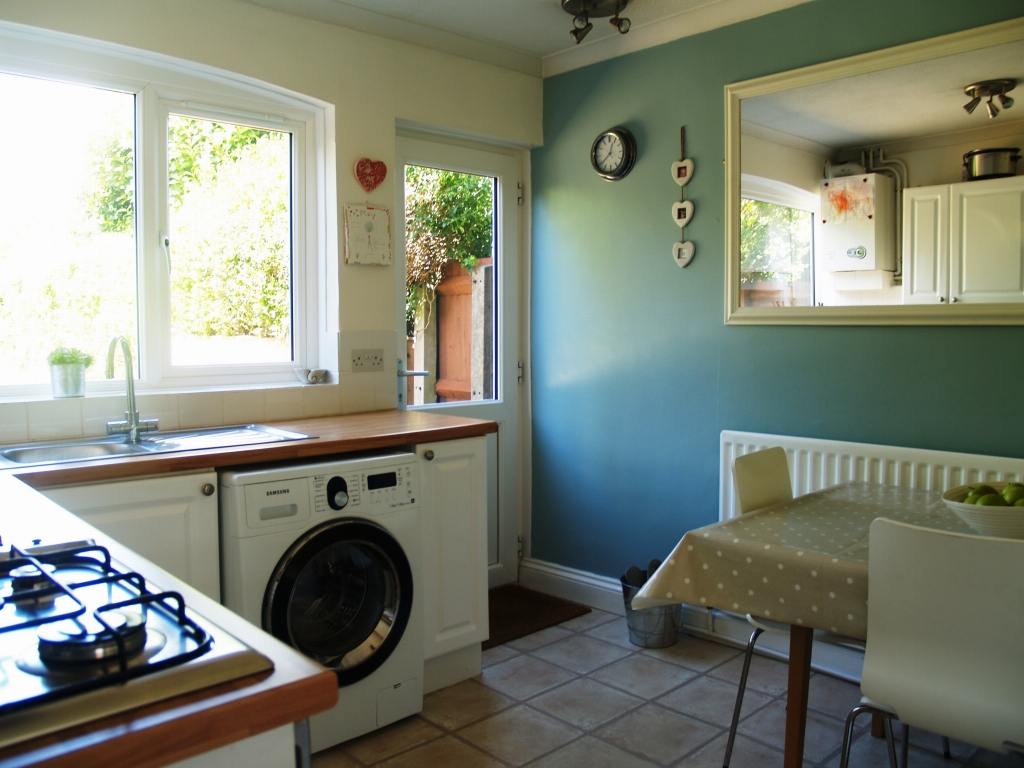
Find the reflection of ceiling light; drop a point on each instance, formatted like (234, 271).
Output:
(584, 10)
(989, 89)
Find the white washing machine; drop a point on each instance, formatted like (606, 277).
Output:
(327, 558)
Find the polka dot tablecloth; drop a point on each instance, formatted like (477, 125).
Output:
(801, 562)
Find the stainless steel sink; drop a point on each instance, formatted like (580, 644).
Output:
(154, 442)
(51, 454)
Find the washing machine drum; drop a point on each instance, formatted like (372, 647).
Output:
(342, 595)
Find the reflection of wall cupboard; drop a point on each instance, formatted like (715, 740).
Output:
(964, 242)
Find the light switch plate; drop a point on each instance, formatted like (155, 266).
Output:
(367, 360)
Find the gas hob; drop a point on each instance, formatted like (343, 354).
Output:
(82, 637)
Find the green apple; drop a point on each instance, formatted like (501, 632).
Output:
(992, 500)
(1013, 493)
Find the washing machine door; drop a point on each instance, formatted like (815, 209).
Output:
(342, 595)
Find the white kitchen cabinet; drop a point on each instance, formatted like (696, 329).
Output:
(170, 520)
(964, 242)
(453, 479)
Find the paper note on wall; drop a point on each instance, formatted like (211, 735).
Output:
(367, 235)
(848, 199)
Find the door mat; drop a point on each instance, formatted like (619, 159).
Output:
(515, 612)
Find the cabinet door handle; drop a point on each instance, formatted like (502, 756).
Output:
(428, 455)
(208, 489)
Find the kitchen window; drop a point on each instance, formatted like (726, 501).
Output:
(776, 244)
(172, 207)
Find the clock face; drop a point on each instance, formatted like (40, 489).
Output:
(609, 153)
(613, 154)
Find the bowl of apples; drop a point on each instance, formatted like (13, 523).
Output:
(992, 509)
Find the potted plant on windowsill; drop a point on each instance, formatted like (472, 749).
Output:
(67, 371)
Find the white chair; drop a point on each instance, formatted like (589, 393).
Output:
(761, 479)
(945, 628)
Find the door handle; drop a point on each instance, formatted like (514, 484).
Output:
(408, 374)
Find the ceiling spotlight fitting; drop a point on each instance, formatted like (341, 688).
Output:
(989, 89)
(582, 26)
(583, 11)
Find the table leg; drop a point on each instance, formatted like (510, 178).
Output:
(878, 726)
(800, 640)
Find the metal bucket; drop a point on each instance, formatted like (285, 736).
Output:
(991, 163)
(67, 380)
(651, 627)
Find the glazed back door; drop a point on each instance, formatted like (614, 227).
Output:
(458, 299)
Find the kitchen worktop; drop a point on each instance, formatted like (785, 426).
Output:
(163, 733)
(334, 434)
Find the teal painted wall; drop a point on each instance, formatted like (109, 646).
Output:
(635, 373)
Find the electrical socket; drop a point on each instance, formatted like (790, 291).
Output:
(367, 360)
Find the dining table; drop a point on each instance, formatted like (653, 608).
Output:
(802, 562)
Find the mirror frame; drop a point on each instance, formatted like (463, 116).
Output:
(898, 314)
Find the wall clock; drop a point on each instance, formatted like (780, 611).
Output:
(613, 153)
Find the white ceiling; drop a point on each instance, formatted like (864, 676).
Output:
(922, 99)
(530, 36)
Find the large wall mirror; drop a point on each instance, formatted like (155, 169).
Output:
(848, 197)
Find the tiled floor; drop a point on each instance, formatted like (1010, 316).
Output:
(581, 696)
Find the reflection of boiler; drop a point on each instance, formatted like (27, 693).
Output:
(857, 225)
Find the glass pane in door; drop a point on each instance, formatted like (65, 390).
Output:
(775, 255)
(451, 275)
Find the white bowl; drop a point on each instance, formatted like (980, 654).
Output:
(1005, 522)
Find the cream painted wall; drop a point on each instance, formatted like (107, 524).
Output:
(371, 81)
(769, 160)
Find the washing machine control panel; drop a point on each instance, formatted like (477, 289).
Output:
(369, 491)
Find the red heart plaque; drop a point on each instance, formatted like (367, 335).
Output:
(370, 173)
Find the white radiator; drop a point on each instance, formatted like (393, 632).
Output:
(815, 464)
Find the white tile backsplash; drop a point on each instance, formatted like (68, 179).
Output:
(349, 340)
(97, 411)
(283, 403)
(200, 409)
(320, 400)
(51, 419)
(163, 408)
(358, 393)
(354, 393)
(13, 423)
(244, 407)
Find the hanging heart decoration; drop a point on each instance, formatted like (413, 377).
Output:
(682, 212)
(370, 173)
(682, 171)
(683, 253)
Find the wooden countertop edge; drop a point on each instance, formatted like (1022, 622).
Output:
(174, 729)
(335, 434)
(178, 728)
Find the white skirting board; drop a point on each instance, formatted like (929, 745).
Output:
(605, 594)
(815, 464)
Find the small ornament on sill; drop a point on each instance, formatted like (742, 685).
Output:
(370, 173)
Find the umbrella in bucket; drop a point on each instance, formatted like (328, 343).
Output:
(651, 627)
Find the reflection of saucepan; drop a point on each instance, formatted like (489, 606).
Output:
(991, 163)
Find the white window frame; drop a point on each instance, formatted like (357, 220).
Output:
(789, 196)
(162, 84)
